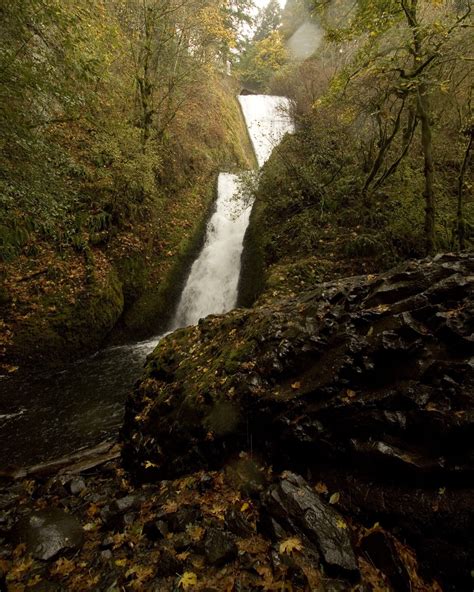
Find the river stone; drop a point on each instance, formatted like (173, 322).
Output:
(294, 503)
(49, 533)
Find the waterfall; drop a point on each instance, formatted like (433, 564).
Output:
(211, 287)
(47, 416)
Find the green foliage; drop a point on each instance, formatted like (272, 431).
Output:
(262, 60)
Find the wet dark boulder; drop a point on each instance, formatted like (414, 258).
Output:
(296, 507)
(49, 533)
(367, 382)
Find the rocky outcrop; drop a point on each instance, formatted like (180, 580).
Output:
(366, 383)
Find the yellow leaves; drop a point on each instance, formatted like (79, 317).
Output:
(141, 573)
(170, 507)
(245, 507)
(186, 483)
(63, 567)
(289, 546)
(213, 26)
(120, 562)
(254, 546)
(350, 393)
(296, 386)
(341, 524)
(334, 499)
(93, 510)
(195, 532)
(19, 569)
(187, 580)
(218, 510)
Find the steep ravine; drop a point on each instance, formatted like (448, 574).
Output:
(85, 400)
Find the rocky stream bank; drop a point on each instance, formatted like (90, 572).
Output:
(321, 442)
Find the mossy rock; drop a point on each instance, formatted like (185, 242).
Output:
(72, 330)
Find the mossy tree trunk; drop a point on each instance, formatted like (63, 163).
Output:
(460, 222)
(420, 62)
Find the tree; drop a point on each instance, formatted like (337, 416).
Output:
(268, 20)
(408, 64)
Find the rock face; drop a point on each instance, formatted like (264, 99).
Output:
(366, 382)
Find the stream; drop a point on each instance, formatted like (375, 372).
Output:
(44, 416)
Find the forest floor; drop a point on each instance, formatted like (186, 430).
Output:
(202, 532)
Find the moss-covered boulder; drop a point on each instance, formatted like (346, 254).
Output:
(366, 381)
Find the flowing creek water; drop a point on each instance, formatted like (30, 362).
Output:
(44, 416)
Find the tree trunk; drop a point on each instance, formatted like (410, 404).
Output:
(144, 82)
(410, 8)
(460, 224)
(423, 109)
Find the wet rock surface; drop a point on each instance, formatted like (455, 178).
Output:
(299, 509)
(48, 533)
(366, 382)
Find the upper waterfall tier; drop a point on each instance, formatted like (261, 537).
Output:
(268, 120)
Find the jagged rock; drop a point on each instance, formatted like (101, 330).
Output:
(368, 380)
(49, 533)
(219, 546)
(294, 504)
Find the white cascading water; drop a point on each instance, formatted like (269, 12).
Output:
(211, 287)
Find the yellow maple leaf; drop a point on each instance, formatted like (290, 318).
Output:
(288, 546)
(341, 524)
(187, 580)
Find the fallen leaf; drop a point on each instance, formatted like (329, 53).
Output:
(321, 488)
(288, 546)
(187, 580)
(335, 497)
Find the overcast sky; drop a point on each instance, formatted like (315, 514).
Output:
(261, 3)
